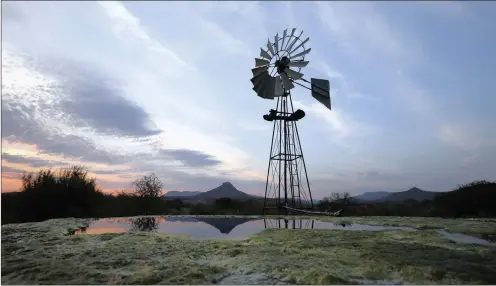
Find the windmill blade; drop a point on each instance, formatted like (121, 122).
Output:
(292, 32)
(286, 82)
(260, 79)
(276, 42)
(293, 74)
(291, 36)
(268, 88)
(300, 45)
(262, 84)
(261, 62)
(298, 64)
(291, 45)
(255, 90)
(264, 54)
(279, 90)
(258, 70)
(300, 54)
(271, 88)
(283, 38)
(269, 46)
(320, 91)
(294, 42)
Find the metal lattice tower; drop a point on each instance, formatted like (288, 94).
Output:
(287, 186)
(287, 179)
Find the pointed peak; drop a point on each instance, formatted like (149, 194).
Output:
(226, 184)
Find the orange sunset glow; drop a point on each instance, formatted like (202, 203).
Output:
(12, 171)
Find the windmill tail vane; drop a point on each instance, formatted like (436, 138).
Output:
(275, 74)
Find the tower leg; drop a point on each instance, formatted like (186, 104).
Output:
(302, 158)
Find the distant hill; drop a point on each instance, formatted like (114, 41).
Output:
(412, 194)
(226, 190)
(180, 194)
(395, 197)
(371, 196)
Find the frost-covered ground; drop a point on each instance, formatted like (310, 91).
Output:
(44, 253)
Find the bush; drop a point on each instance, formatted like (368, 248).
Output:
(65, 193)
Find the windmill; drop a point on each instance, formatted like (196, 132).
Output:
(275, 74)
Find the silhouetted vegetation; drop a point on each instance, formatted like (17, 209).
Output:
(66, 193)
(72, 193)
(148, 186)
(144, 224)
(476, 199)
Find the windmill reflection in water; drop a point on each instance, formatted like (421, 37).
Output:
(289, 224)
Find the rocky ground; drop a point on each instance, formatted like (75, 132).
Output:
(45, 253)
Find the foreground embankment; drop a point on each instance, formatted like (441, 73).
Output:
(46, 253)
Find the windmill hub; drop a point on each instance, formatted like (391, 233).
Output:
(282, 64)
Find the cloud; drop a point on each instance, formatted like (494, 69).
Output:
(361, 29)
(340, 124)
(191, 157)
(11, 12)
(341, 87)
(128, 28)
(224, 39)
(98, 103)
(13, 173)
(454, 136)
(32, 162)
(328, 71)
(81, 94)
(20, 124)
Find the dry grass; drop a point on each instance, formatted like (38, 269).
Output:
(41, 253)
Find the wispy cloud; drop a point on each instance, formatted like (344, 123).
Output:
(128, 28)
(340, 126)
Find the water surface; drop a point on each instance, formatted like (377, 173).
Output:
(218, 228)
(236, 228)
(463, 238)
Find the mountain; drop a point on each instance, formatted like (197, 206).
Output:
(226, 190)
(392, 197)
(180, 194)
(371, 196)
(412, 194)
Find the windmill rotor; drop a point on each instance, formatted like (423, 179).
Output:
(279, 66)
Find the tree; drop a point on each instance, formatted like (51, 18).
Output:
(148, 186)
(335, 197)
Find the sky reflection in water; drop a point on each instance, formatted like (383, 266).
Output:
(234, 228)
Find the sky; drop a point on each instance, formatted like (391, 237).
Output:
(131, 88)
